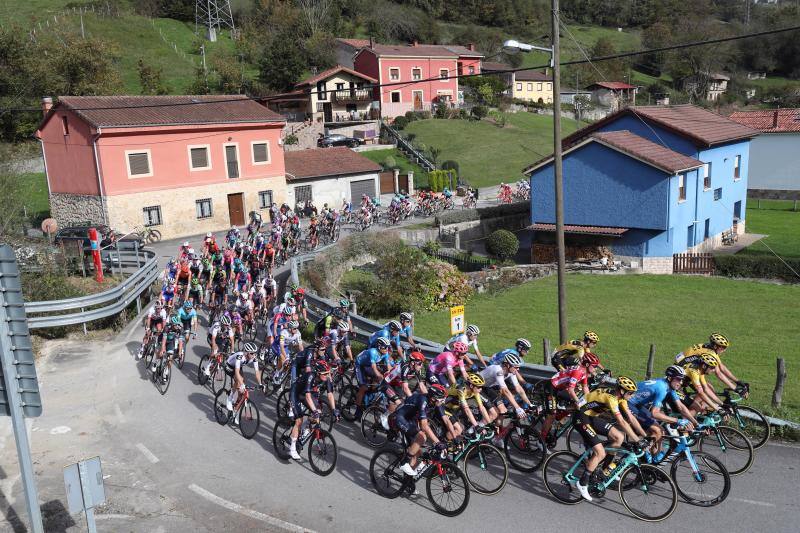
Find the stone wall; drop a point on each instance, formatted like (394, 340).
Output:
(76, 209)
(507, 276)
(657, 265)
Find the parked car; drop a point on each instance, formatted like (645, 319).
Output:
(337, 139)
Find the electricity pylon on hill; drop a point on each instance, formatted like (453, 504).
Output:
(212, 15)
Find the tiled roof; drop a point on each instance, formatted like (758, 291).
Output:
(131, 111)
(490, 66)
(704, 128)
(330, 72)
(326, 162)
(532, 75)
(770, 120)
(420, 50)
(584, 230)
(648, 151)
(462, 51)
(613, 85)
(355, 43)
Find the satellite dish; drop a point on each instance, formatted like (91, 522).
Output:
(49, 225)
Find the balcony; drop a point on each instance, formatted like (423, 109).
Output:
(351, 96)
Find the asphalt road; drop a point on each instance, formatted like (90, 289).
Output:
(168, 466)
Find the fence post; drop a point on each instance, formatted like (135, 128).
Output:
(777, 394)
(650, 358)
(84, 324)
(546, 351)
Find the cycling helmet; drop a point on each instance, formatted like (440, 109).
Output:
(293, 286)
(394, 324)
(185, 244)
(159, 305)
(570, 360)
(718, 339)
(344, 302)
(225, 320)
(290, 301)
(675, 371)
(300, 291)
(591, 336)
(187, 304)
(191, 253)
(405, 316)
(476, 379)
(626, 384)
(245, 296)
(459, 347)
(590, 359)
(209, 235)
(523, 344)
(250, 347)
(175, 320)
(382, 342)
(322, 342)
(321, 366)
(709, 359)
(416, 356)
(436, 392)
(475, 330)
(338, 313)
(343, 327)
(292, 324)
(513, 359)
(269, 246)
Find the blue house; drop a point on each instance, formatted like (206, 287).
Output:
(647, 183)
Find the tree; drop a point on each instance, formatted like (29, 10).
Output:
(281, 62)
(150, 79)
(613, 70)
(315, 13)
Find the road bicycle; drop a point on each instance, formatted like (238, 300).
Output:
(728, 444)
(446, 485)
(322, 450)
(750, 421)
(275, 380)
(184, 345)
(244, 415)
(216, 371)
(147, 234)
(647, 492)
(522, 444)
(162, 376)
(283, 408)
(483, 463)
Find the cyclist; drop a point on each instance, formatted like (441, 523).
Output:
(290, 336)
(704, 398)
(188, 317)
(195, 292)
(220, 335)
(280, 315)
(245, 307)
(170, 341)
(269, 257)
(168, 293)
(407, 329)
(302, 392)
(593, 422)
(183, 250)
(470, 338)
(562, 387)
(576, 348)
(395, 383)
(717, 344)
(340, 342)
(184, 275)
(390, 332)
(520, 349)
(460, 397)
(219, 292)
(440, 369)
(301, 305)
(367, 370)
(234, 367)
(497, 378)
(646, 404)
(154, 323)
(411, 419)
(171, 270)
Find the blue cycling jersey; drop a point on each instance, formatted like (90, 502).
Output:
(370, 356)
(652, 393)
(407, 332)
(386, 334)
(500, 356)
(186, 317)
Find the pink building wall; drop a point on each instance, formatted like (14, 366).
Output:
(465, 62)
(430, 69)
(69, 158)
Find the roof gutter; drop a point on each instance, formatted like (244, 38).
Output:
(99, 176)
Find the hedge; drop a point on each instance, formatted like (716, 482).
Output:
(750, 266)
(495, 211)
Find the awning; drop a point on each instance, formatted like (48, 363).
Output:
(581, 230)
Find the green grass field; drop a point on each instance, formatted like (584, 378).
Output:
(631, 312)
(486, 153)
(776, 219)
(379, 156)
(35, 195)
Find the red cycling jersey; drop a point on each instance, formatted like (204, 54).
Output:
(568, 378)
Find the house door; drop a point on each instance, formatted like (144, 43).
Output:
(327, 109)
(236, 209)
(417, 95)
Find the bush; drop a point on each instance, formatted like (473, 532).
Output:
(462, 114)
(431, 247)
(749, 266)
(389, 163)
(451, 165)
(502, 244)
(411, 116)
(495, 211)
(291, 139)
(479, 112)
(400, 123)
(441, 112)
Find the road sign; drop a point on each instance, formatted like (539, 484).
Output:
(19, 396)
(84, 484)
(457, 323)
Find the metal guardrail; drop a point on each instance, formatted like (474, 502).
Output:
(117, 298)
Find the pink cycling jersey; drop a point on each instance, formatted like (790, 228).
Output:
(443, 362)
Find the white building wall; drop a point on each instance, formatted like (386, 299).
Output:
(330, 190)
(775, 162)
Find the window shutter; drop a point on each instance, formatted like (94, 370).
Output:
(260, 153)
(233, 164)
(199, 157)
(139, 163)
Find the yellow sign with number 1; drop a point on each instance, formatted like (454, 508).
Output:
(457, 323)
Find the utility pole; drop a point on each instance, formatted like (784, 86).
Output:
(559, 181)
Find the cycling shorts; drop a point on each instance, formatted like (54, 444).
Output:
(365, 375)
(408, 428)
(643, 415)
(591, 428)
(494, 395)
(168, 296)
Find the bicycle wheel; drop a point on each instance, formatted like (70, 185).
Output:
(574, 441)
(267, 373)
(202, 379)
(731, 447)
(705, 483)
(385, 473)
(486, 469)
(753, 424)
(164, 376)
(281, 438)
(448, 490)
(371, 427)
(221, 412)
(154, 236)
(322, 452)
(554, 473)
(249, 419)
(524, 449)
(219, 378)
(648, 493)
(182, 357)
(347, 403)
(282, 405)
(326, 418)
(149, 353)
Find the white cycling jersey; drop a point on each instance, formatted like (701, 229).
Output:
(162, 314)
(288, 338)
(495, 377)
(239, 359)
(462, 337)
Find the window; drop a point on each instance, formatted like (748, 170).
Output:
(737, 211)
(152, 215)
(519, 86)
(707, 231)
(530, 87)
(203, 208)
(737, 164)
(394, 74)
(471, 69)
(302, 193)
(395, 97)
(340, 86)
(681, 187)
(199, 158)
(416, 74)
(139, 165)
(65, 125)
(320, 106)
(232, 160)
(718, 194)
(549, 86)
(444, 73)
(260, 150)
(322, 91)
(538, 86)
(690, 236)
(264, 199)
(706, 176)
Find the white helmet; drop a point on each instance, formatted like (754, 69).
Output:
(185, 244)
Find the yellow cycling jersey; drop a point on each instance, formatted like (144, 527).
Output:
(691, 355)
(694, 377)
(458, 394)
(574, 348)
(602, 401)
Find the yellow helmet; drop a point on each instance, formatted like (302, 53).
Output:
(591, 336)
(476, 379)
(709, 359)
(627, 384)
(718, 339)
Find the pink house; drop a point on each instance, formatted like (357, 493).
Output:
(184, 164)
(403, 67)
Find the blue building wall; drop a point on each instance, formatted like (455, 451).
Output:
(603, 187)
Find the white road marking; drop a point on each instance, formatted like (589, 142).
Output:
(113, 516)
(235, 507)
(60, 430)
(120, 416)
(147, 453)
(782, 445)
(754, 502)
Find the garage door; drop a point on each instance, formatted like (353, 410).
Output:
(361, 187)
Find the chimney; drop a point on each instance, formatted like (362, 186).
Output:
(471, 47)
(775, 119)
(47, 103)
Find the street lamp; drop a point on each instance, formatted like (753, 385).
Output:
(512, 45)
